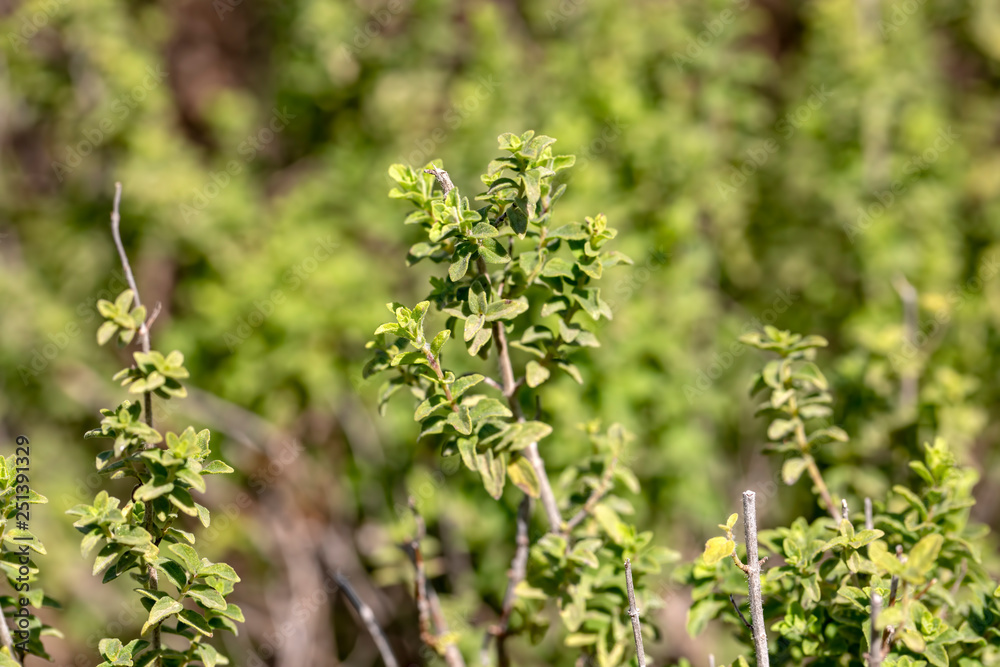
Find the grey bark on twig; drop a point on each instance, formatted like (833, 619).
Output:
(874, 654)
(753, 579)
(634, 615)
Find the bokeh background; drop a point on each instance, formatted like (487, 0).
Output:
(827, 166)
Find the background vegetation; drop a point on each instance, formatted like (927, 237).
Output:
(814, 165)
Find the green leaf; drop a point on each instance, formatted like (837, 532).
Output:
(439, 340)
(196, 621)
(388, 327)
(483, 230)
(461, 420)
(105, 332)
(164, 608)
(207, 596)
(922, 558)
(792, 469)
(558, 267)
(464, 383)
(716, 549)
(506, 309)
(189, 558)
(781, 428)
(493, 252)
(216, 468)
(493, 472)
(489, 408)
(481, 338)
(473, 324)
(459, 267)
(535, 374)
(150, 490)
(574, 231)
(522, 474)
(532, 190)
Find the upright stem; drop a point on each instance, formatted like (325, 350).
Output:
(509, 387)
(518, 569)
(147, 396)
(634, 615)
(814, 474)
(875, 642)
(753, 579)
(367, 617)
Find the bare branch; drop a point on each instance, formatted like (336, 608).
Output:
(518, 569)
(753, 579)
(732, 601)
(634, 615)
(428, 605)
(869, 519)
(844, 512)
(874, 655)
(595, 497)
(368, 618)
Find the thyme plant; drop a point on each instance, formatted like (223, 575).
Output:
(895, 581)
(520, 291)
(144, 534)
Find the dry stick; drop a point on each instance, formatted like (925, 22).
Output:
(908, 378)
(874, 654)
(732, 601)
(146, 396)
(427, 603)
(634, 615)
(753, 578)
(421, 581)
(368, 618)
(869, 518)
(844, 512)
(518, 569)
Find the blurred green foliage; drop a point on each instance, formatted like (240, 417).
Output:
(796, 164)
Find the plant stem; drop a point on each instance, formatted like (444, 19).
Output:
(634, 615)
(518, 569)
(753, 579)
(368, 618)
(509, 386)
(874, 654)
(147, 396)
(595, 497)
(817, 478)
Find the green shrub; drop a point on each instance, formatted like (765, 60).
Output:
(521, 290)
(906, 570)
(145, 538)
